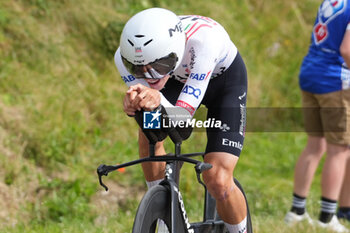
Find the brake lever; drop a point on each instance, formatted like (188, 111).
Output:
(102, 171)
(201, 167)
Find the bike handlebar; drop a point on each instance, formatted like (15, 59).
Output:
(103, 169)
(176, 134)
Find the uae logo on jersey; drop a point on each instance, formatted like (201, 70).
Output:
(326, 13)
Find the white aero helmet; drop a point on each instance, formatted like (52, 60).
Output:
(152, 43)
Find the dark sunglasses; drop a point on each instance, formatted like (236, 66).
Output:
(154, 70)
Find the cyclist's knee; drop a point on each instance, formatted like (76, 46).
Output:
(219, 186)
(222, 193)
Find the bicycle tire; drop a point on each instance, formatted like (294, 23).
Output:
(156, 205)
(249, 221)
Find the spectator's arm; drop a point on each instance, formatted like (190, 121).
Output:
(345, 46)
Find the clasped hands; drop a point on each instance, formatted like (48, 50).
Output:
(140, 97)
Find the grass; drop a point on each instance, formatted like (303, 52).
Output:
(61, 112)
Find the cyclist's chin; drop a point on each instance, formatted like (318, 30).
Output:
(157, 84)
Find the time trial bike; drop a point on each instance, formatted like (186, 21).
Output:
(164, 201)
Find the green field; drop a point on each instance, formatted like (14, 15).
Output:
(61, 112)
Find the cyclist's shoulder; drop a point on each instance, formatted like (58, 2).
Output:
(204, 35)
(202, 28)
(197, 19)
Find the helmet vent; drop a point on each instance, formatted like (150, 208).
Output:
(148, 42)
(132, 44)
(139, 36)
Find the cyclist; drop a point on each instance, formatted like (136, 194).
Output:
(181, 62)
(325, 82)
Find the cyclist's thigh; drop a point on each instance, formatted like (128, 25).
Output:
(226, 101)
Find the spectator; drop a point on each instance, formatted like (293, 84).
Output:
(325, 81)
(344, 199)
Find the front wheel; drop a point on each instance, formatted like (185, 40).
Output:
(155, 206)
(249, 220)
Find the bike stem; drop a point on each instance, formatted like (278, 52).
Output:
(177, 149)
(172, 180)
(152, 150)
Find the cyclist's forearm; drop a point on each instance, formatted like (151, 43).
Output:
(144, 146)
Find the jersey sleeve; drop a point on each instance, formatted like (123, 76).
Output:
(197, 82)
(128, 78)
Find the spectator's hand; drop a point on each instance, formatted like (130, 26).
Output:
(146, 98)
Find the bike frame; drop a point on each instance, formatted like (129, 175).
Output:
(211, 222)
(172, 173)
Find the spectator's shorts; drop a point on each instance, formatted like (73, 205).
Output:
(328, 115)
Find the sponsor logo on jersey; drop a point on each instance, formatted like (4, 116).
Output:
(326, 13)
(320, 32)
(151, 120)
(193, 56)
(186, 106)
(196, 92)
(242, 96)
(225, 128)
(227, 142)
(199, 77)
(128, 78)
(242, 120)
(330, 9)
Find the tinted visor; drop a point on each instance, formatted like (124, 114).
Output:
(156, 70)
